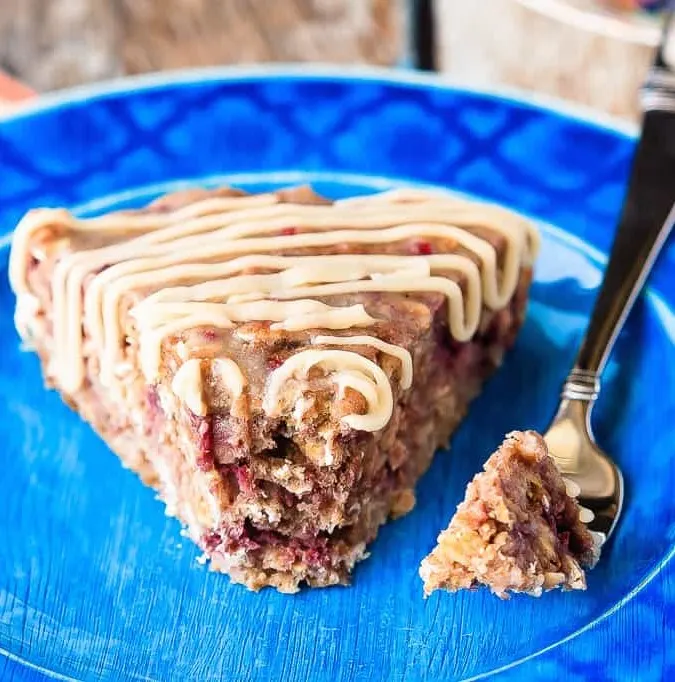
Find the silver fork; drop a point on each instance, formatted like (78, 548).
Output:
(647, 218)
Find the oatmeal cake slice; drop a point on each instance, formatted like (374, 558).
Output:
(517, 530)
(279, 366)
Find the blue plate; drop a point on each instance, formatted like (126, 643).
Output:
(95, 582)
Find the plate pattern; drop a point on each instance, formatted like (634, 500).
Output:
(96, 583)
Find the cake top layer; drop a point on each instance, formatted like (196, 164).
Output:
(518, 529)
(293, 261)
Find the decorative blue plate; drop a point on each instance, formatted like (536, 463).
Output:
(96, 583)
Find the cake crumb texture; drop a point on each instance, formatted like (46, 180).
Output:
(517, 530)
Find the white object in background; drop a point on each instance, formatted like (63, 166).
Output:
(568, 48)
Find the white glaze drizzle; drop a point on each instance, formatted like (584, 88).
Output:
(192, 267)
(188, 382)
(399, 353)
(187, 385)
(347, 370)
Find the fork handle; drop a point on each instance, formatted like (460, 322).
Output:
(647, 218)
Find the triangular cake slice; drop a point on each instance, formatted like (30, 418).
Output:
(281, 367)
(518, 529)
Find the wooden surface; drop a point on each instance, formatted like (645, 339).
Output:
(567, 49)
(65, 42)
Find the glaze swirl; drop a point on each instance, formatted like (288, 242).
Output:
(224, 261)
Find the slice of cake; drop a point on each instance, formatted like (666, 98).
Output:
(517, 530)
(279, 366)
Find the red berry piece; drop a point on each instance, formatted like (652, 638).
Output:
(422, 248)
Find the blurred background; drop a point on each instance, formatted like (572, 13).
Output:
(594, 52)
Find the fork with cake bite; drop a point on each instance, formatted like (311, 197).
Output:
(646, 221)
